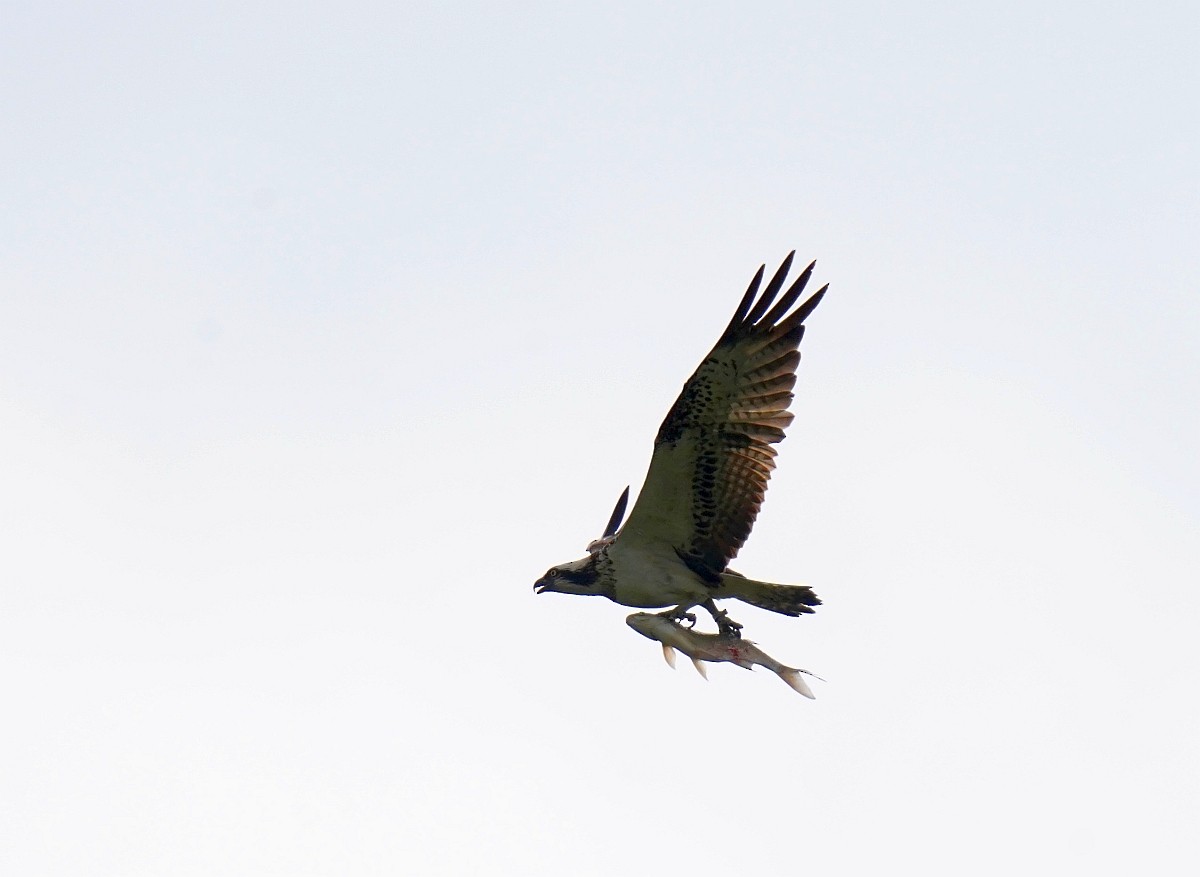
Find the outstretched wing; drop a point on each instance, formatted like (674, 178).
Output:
(713, 453)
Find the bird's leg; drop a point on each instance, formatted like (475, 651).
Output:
(726, 626)
(679, 615)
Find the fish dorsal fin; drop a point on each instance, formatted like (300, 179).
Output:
(669, 655)
(699, 667)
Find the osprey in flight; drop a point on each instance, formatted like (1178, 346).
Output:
(708, 475)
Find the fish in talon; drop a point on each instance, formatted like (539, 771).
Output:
(714, 648)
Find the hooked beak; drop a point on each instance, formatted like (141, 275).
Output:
(541, 586)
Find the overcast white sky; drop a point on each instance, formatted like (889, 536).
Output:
(325, 330)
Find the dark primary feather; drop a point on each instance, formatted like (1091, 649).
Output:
(713, 453)
(614, 521)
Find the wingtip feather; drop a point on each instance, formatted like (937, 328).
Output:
(771, 291)
(618, 514)
(790, 297)
(743, 307)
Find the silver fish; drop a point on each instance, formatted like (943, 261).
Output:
(713, 647)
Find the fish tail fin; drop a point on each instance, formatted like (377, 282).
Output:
(795, 680)
(785, 599)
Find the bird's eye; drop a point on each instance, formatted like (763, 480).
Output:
(552, 574)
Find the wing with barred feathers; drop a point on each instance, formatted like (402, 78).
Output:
(713, 454)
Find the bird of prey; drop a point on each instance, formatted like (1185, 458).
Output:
(712, 457)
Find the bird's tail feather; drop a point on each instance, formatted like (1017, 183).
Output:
(786, 599)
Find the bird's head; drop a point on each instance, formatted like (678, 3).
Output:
(576, 577)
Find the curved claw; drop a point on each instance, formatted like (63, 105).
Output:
(679, 616)
(729, 629)
(726, 626)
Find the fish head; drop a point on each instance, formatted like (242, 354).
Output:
(649, 625)
(576, 577)
(663, 630)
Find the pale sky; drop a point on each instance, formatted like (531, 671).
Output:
(325, 331)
